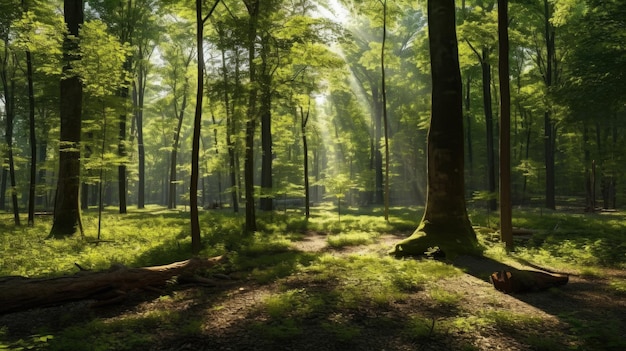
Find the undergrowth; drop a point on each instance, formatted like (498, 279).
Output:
(334, 290)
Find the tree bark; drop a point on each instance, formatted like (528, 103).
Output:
(506, 229)
(67, 220)
(19, 293)
(32, 140)
(305, 151)
(139, 95)
(445, 223)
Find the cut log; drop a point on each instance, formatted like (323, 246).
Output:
(516, 281)
(20, 293)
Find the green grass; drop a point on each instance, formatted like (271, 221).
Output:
(352, 238)
(574, 241)
(328, 289)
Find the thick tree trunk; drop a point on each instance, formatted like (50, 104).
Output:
(67, 219)
(19, 293)
(445, 223)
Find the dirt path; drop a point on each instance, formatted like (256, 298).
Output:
(583, 315)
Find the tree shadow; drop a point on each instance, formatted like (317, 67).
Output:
(586, 306)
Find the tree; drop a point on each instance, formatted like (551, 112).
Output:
(132, 21)
(178, 55)
(230, 102)
(505, 126)
(445, 223)
(304, 119)
(8, 72)
(145, 48)
(253, 11)
(196, 244)
(479, 33)
(548, 67)
(67, 217)
(383, 89)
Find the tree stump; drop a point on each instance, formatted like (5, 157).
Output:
(516, 281)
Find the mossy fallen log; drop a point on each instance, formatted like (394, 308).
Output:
(20, 293)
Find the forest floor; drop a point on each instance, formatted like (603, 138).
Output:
(467, 314)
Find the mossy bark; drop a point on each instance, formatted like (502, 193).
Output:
(445, 223)
(451, 237)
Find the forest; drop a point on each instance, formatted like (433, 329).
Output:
(312, 174)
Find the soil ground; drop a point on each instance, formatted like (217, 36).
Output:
(582, 315)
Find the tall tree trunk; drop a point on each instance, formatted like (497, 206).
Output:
(230, 130)
(33, 141)
(121, 147)
(196, 243)
(304, 118)
(173, 183)
(506, 230)
(491, 163)
(377, 156)
(8, 86)
(253, 11)
(67, 219)
(445, 223)
(384, 108)
(265, 112)
(10, 115)
(139, 91)
(468, 128)
(549, 127)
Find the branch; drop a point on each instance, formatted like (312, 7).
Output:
(211, 11)
(480, 58)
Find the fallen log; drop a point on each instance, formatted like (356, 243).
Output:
(20, 293)
(517, 281)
